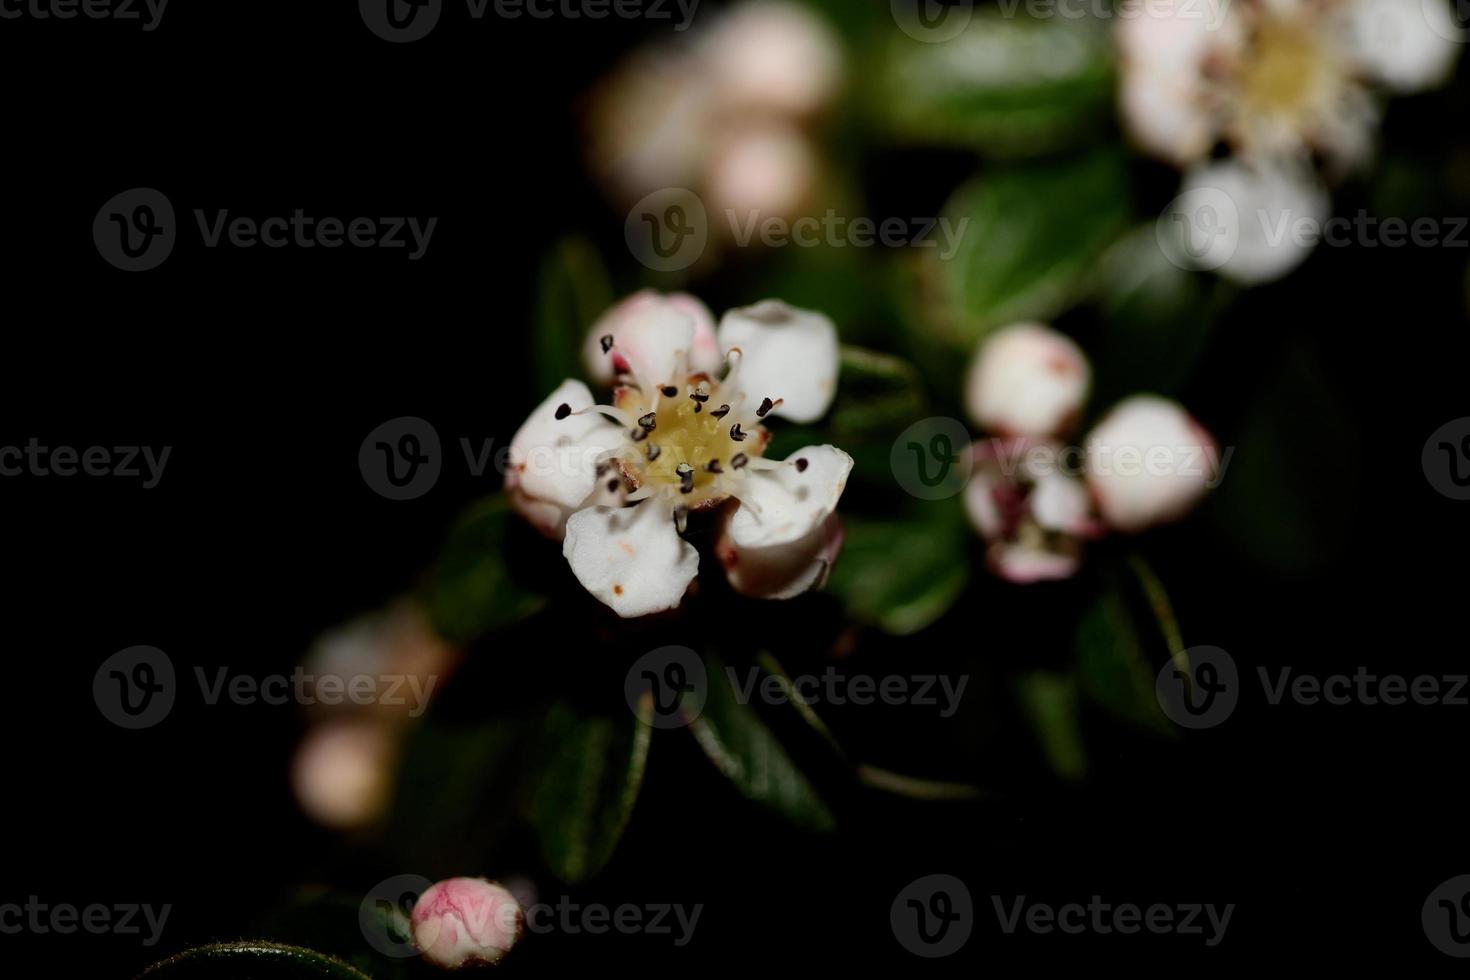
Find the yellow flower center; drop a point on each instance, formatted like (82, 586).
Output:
(1288, 71)
(686, 447)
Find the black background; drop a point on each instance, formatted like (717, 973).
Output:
(1327, 827)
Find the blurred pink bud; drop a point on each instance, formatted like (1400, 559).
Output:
(343, 771)
(1149, 462)
(759, 171)
(773, 57)
(464, 921)
(1033, 514)
(1027, 380)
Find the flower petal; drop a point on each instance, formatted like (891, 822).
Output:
(1254, 237)
(783, 571)
(553, 462)
(1148, 463)
(1027, 380)
(784, 505)
(786, 354)
(629, 325)
(631, 558)
(1409, 45)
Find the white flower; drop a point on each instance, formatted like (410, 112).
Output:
(465, 921)
(619, 480)
(1027, 380)
(1272, 78)
(1148, 463)
(1253, 223)
(1033, 515)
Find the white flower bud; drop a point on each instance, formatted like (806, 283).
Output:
(1027, 380)
(1148, 463)
(464, 921)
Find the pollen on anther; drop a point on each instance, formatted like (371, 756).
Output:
(562, 411)
(649, 421)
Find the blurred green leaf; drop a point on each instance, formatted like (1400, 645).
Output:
(585, 781)
(1031, 237)
(251, 961)
(329, 921)
(451, 804)
(878, 395)
(1125, 637)
(1157, 318)
(472, 591)
(1006, 86)
(1049, 700)
(742, 747)
(903, 573)
(573, 290)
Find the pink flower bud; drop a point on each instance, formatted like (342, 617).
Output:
(1148, 463)
(343, 771)
(769, 56)
(464, 921)
(1033, 514)
(1027, 380)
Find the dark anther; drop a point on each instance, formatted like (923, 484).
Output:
(562, 411)
(736, 434)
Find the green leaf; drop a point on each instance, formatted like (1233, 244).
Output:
(584, 786)
(1123, 641)
(251, 961)
(1157, 318)
(742, 747)
(1006, 86)
(472, 591)
(451, 803)
(1050, 702)
(1029, 237)
(878, 396)
(902, 574)
(573, 290)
